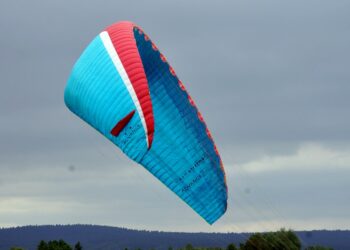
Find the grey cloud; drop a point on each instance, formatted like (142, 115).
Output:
(267, 76)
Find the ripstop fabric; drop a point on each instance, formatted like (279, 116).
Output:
(124, 87)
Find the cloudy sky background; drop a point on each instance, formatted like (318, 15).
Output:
(271, 78)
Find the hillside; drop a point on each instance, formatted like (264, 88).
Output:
(107, 238)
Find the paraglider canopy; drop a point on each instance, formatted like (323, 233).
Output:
(124, 87)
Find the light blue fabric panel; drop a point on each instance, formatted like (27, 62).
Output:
(96, 93)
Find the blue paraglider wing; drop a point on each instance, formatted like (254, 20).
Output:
(124, 87)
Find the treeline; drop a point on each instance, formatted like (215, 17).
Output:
(54, 245)
(280, 240)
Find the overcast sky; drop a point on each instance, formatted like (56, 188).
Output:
(271, 78)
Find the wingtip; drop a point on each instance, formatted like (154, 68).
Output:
(150, 140)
